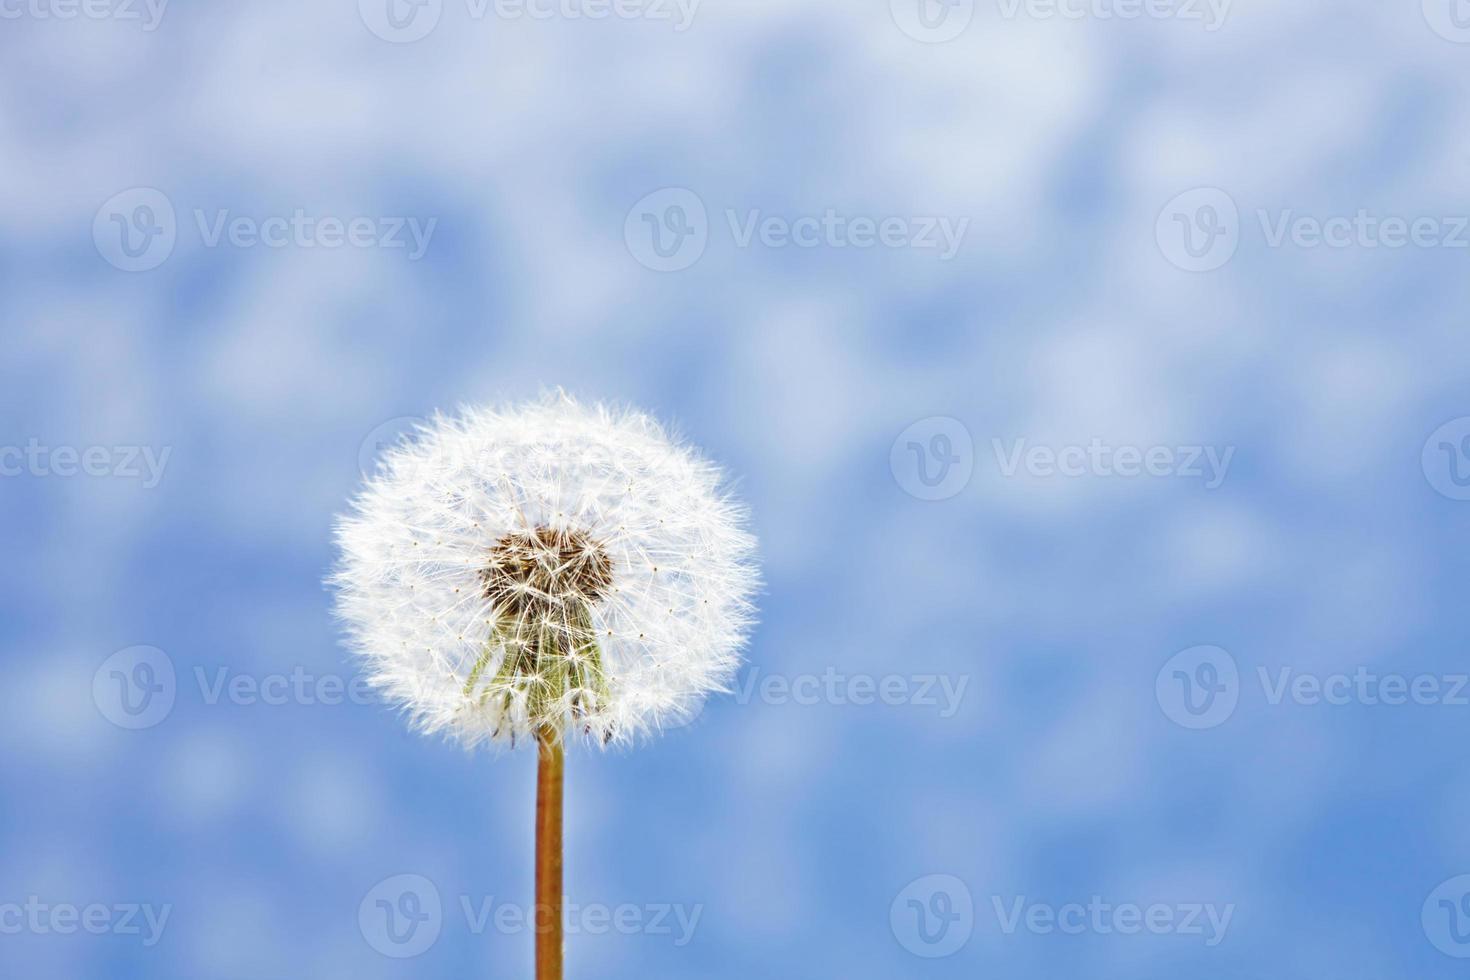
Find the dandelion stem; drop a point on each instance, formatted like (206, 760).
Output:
(548, 918)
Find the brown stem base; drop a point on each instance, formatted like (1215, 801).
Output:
(551, 764)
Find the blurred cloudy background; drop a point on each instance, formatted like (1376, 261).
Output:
(1096, 371)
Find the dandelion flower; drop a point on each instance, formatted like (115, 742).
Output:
(553, 566)
(547, 570)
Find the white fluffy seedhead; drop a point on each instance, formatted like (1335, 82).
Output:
(549, 568)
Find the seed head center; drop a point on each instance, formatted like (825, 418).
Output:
(544, 571)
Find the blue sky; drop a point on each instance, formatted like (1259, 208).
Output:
(1097, 382)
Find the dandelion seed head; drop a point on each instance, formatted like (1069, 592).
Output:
(548, 567)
